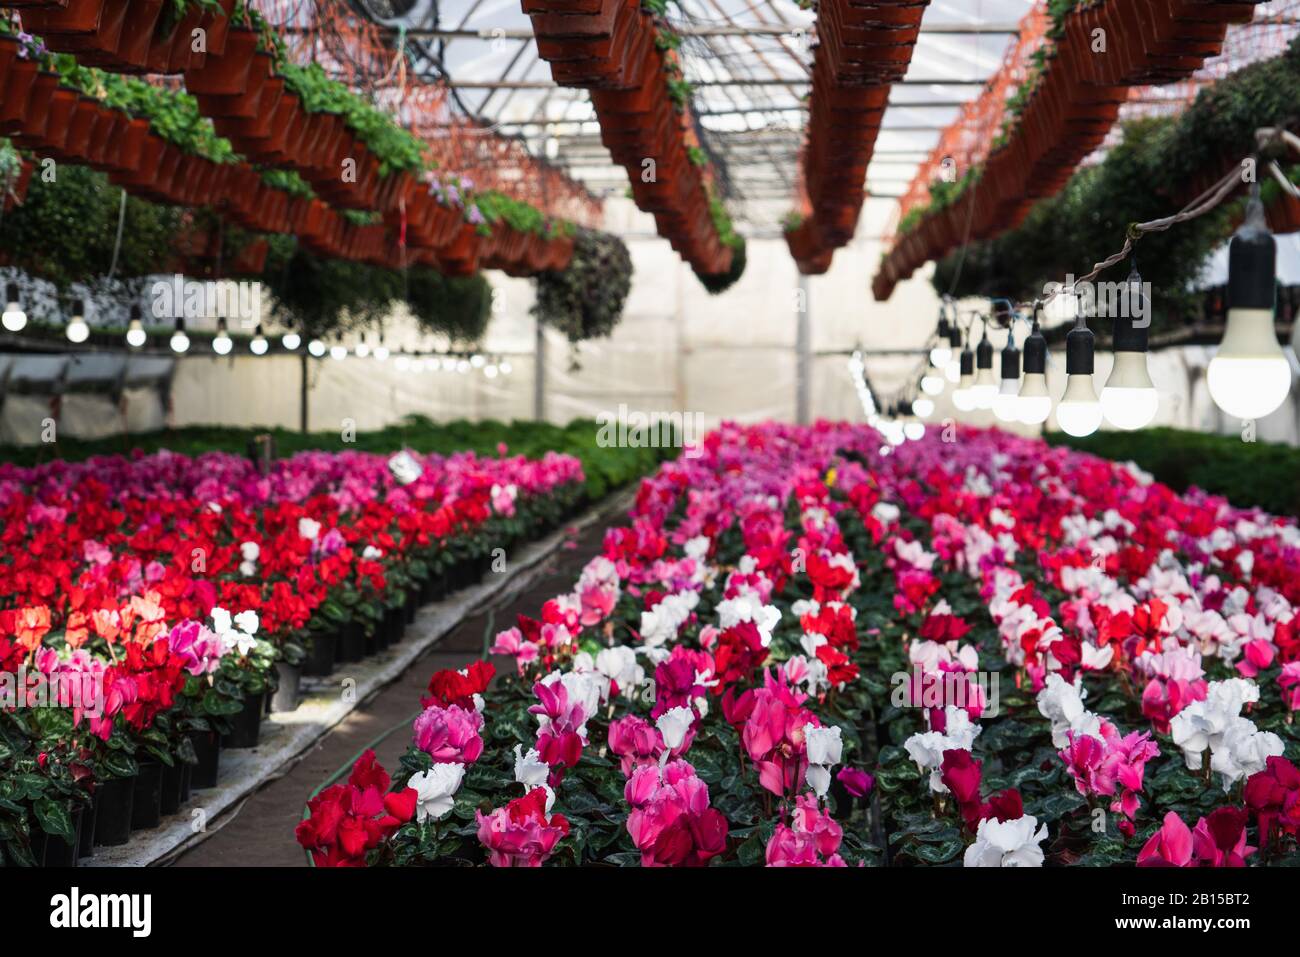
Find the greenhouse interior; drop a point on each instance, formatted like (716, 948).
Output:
(649, 433)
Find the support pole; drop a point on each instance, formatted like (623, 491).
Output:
(302, 391)
(803, 352)
(539, 373)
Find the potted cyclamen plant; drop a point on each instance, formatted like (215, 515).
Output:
(246, 668)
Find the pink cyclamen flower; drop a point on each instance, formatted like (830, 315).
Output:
(1170, 846)
(856, 781)
(1289, 682)
(562, 731)
(812, 839)
(520, 834)
(774, 736)
(449, 735)
(671, 822)
(512, 642)
(636, 741)
(1258, 655)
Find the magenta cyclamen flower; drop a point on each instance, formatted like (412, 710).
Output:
(449, 735)
(520, 834)
(562, 731)
(636, 741)
(198, 645)
(812, 840)
(671, 822)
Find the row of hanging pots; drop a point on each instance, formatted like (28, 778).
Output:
(862, 50)
(132, 36)
(867, 44)
(1068, 115)
(609, 47)
(596, 46)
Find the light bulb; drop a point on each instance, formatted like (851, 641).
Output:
(291, 341)
(338, 353)
(259, 345)
(402, 363)
(448, 363)
(316, 348)
(477, 361)
(922, 407)
(222, 343)
(462, 366)
(932, 383)
(506, 367)
(490, 371)
(180, 342)
(135, 334)
(940, 355)
(381, 353)
(13, 319)
(1064, 306)
(1129, 399)
(363, 349)
(952, 371)
(1079, 412)
(77, 330)
(961, 396)
(1249, 376)
(1006, 404)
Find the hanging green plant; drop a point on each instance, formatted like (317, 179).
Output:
(65, 230)
(586, 299)
(323, 297)
(457, 306)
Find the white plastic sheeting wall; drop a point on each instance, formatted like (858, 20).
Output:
(678, 349)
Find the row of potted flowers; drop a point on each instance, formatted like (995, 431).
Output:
(614, 49)
(861, 51)
(155, 607)
(793, 655)
(1073, 103)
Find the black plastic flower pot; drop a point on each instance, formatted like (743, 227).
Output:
(375, 641)
(352, 642)
(395, 624)
(286, 695)
(187, 781)
(146, 803)
(429, 589)
(86, 836)
(321, 656)
(246, 726)
(207, 746)
(173, 787)
(412, 605)
(113, 817)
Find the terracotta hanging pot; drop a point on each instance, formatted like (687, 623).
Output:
(226, 74)
(16, 93)
(80, 127)
(50, 135)
(73, 18)
(141, 19)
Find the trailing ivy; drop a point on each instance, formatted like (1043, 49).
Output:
(586, 299)
(457, 306)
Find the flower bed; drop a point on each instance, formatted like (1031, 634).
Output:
(809, 649)
(156, 602)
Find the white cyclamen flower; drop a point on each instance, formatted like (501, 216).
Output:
(530, 770)
(1007, 843)
(308, 528)
(673, 725)
(1243, 751)
(435, 790)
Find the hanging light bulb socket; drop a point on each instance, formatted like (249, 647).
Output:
(985, 387)
(13, 319)
(77, 331)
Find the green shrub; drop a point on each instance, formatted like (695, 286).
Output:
(1247, 474)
